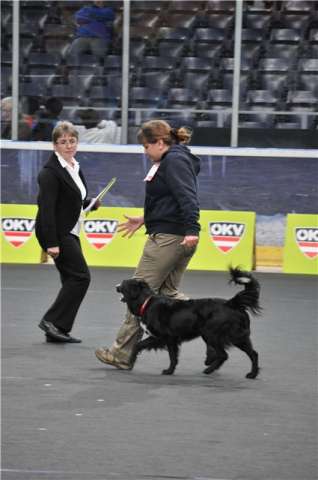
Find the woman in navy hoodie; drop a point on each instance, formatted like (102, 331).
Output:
(171, 218)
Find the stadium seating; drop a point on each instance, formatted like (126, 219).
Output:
(181, 57)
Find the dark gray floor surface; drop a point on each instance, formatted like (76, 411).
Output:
(67, 416)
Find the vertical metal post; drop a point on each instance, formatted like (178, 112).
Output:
(236, 76)
(125, 73)
(15, 68)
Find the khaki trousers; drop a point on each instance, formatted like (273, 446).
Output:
(162, 265)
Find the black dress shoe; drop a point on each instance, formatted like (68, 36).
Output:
(73, 339)
(52, 331)
(68, 339)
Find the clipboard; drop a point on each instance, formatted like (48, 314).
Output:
(100, 196)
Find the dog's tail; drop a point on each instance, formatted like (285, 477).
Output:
(247, 299)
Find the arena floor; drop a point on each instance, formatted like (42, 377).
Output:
(67, 416)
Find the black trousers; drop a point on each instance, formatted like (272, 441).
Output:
(75, 278)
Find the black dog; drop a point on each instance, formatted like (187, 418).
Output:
(221, 323)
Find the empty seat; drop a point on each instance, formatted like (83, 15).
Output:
(289, 52)
(147, 19)
(185, 6)
(252, 36)
(313, 36)
(262, 97)
(147, 5)
(220, 6)
(209, 36)
(275, 64)
(256, 21)
(298, 6)
(38, 87)
(180, 20)
(182, 98)
(285, 35)
(274, 82)
(84, 60)
(227, 64)
(307, 81)
(179, 119)
(224, 21)
(309, 65)
(44, 59)
(109, 94)
(175, 49)
(206, 51)
(57, 45)
(257, 120)
(144, 97)
(152, 79)
(196, 64)
(295, 21)
(301, 98)
(197, 81)
(219, 98)
(153, 63)
(66, 93)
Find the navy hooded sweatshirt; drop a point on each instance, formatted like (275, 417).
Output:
(171, 203)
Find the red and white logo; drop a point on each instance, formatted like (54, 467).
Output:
(17, 231)
(100, 233)
(226, 235)
(307, 241)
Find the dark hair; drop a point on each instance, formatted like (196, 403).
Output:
(54, 105)
(89, 117)
(154, 130)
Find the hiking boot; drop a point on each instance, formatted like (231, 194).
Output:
(105, 356)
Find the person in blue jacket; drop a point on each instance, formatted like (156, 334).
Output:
(171, 217)
(94, 29)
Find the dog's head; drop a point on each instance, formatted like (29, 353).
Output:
(134, 293)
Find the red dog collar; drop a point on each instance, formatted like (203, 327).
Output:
(143, 307)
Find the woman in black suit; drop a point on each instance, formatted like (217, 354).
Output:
(62, 197)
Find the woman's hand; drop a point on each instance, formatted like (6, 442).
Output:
(129, 227)
(96, 205)
(190, 240)
(53, 252)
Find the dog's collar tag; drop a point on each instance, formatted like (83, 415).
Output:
(143, 307)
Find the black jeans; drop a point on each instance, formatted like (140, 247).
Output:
(75, 278)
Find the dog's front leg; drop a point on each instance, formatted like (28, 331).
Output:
(173, 349)
(149, 343)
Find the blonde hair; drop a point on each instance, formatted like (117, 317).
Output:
(64, 128)
(154, 130)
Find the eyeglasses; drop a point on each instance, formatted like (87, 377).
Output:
(72, 141)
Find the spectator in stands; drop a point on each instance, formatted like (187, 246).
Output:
(94, 29)
(95, 130)
(24, 131)
(171, 215)
(30, 109)
(47, 120)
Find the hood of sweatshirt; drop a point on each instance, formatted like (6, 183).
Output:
(184, 150)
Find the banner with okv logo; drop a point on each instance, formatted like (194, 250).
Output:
(301, 244)
(18, 242)
(227, 238)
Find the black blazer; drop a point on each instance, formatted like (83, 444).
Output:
(59, 203)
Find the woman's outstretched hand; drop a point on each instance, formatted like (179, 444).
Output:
(130, 226)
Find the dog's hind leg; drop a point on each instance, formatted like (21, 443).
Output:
(210, 355)
(246, 346)
(173, 349)
(220, 357)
